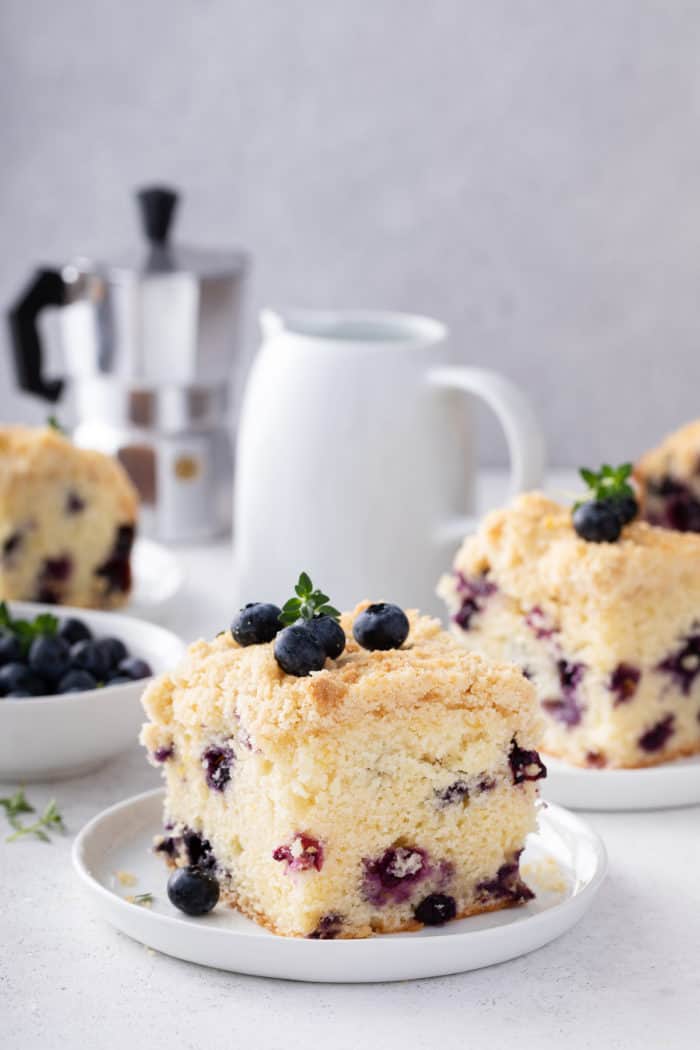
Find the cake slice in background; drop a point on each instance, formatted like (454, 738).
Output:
(67, 521)
(608, 632)
(388, 790)
(668, 480)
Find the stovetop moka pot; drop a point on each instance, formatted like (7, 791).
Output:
(149, 346)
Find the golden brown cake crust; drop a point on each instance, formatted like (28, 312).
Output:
(431, 667)
(231, 899)
(36, 452)
(412, 926)
(536, 530)
(602, 629)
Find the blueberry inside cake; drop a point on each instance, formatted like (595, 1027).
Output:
(392, 788)
(608, 631)
(669, 481)
(67, 521)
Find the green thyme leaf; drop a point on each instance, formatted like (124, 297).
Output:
(16, 804)
(304, 587)
(55, 425)
(27, 630)
(50, 820)
(308, 603)
(608, 483)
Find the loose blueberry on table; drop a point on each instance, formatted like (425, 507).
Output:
(45, 656)
(193, 891)
(611, 504)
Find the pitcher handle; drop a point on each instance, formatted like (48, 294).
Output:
(516, 415)
(46, 288)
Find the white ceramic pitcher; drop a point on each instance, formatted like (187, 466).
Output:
(356, 457)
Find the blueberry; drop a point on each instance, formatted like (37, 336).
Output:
(134, 668)
(74, 503)
(525, 765)
(10, 649)
(77, 681)
(74, 630)
(116, 570)
(302, 854)
(391, 877)
(457, 791)
(18, 678)
(684, 664)
(473, 592)
(623, 682)
(327, 928)
(506, 885)
(256, 623)
(329, 634)
(58, 569)
(381, 626)
(118, 679)
(657, 737)
(217, 763)
(49, 656)
(198, 850)
(626, 508)
(114, 649)
(597, 521)
(87, 656)
(11, 545)
(193, 891)
(298, 652)
(435, 909)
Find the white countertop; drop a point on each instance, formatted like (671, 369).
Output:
(628, 976)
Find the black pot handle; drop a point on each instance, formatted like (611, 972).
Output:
(47, 288)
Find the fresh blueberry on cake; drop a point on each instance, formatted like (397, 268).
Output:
(67, 521)
(608, 631)
(312, 632)
(669, 481)
(391, 788)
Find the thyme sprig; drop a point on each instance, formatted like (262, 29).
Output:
(27, 630)
(308, 603)
(17, 804)
(608, 483)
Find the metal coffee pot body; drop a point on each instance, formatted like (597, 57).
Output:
(149, 348)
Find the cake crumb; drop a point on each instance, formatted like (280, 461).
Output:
(126, 878)
(546, 875)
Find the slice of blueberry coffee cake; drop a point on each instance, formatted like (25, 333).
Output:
(600, 612)
(668, 478)
(343, 776)
(67, 521)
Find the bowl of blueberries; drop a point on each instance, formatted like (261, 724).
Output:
(71, 682)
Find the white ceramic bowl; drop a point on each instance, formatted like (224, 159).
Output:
(47, 737)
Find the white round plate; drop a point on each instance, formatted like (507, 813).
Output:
(157, 576)
(48, 737)
(564, 862)
(654, 787)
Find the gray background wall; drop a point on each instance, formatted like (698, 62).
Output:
(527, 171)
